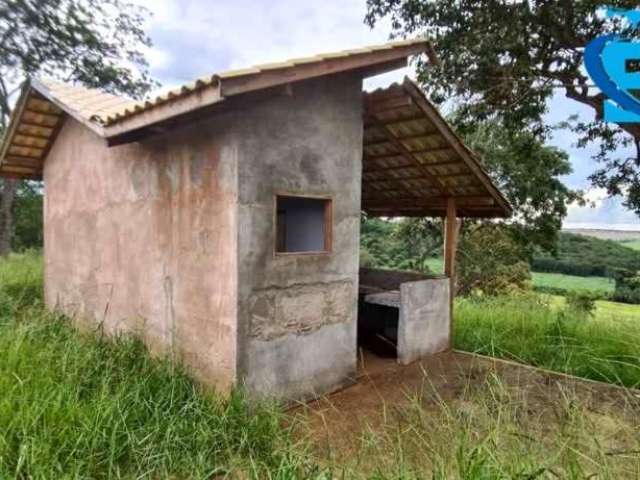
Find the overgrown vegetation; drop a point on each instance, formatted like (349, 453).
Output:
(531, 329)
(491, 262)
(81, 406)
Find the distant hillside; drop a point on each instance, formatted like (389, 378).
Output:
(587, 256)
(617, 235)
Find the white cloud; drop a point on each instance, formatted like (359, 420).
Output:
(194, 38)
(601, 211)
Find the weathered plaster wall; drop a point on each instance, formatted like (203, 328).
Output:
(143, 238)
(297, 313)
(425, 318)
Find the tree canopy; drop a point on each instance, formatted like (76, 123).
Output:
(97, 43)
(529, 174)
(502, 60)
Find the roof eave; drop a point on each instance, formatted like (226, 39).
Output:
(43, 90)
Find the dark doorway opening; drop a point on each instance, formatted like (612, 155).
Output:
(377, 329)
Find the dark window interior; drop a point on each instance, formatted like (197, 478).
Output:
(303, 224)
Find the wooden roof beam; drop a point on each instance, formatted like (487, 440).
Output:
(411, 165)
(401, 148)
(417, 136)
(396, 179)
(461, 200)
(441, 125)
(15, 160)
(415, 152)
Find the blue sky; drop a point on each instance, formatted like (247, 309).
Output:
(198, 37)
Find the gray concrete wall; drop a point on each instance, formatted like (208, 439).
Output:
(424, 319)
(296, 312)
(142, 238)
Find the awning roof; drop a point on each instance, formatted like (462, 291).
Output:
(413, 161)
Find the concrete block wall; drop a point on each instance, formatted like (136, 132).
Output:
(297, 314)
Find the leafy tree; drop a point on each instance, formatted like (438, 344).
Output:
(419, 239)
(503, 60)
(27, 216)
(627, 286)
(490, 260)
(528, 173)
(97, 43)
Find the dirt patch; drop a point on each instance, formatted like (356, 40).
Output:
(451, 380)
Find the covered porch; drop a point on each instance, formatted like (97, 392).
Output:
(414, 165)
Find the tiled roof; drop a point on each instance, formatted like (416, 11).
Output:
(43, 104)
(107, 109)
(91, 104)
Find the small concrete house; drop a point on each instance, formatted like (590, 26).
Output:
(220, 221)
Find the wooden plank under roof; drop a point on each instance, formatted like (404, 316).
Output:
(414, 163)
(34, 124)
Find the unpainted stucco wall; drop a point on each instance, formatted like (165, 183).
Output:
(142, 238)
(297, 313)
(425, 319)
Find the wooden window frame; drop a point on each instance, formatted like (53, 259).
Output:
(327, 226)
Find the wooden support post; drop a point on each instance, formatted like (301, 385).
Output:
(450, 244)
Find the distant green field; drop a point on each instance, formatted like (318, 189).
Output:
(635, 244)
(555, 280)
(571, 282)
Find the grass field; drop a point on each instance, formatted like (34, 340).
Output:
(81, 406)
(635, 244)
(553, 280)
(538, 330)
(605, 311)
(571, 282)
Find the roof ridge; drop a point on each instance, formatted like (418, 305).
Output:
(106, 116)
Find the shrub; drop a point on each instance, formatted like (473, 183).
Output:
(491, 261)
(581, 302)
(627, 287)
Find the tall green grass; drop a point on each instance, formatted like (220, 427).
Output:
(81, 406)
(529, 329)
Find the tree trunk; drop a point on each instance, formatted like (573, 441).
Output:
(7, 196)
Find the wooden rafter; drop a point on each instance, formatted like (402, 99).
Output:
(455, 142)
(406, 152)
